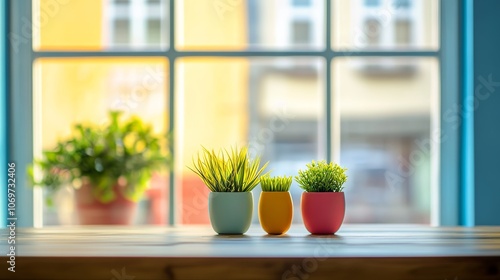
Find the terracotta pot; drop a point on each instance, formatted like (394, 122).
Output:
(91, 211)
(230, 212)
(275, 211)
(323, 212)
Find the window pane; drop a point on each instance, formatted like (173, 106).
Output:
(372, 3)
(387, 140)
(74, 90)
(100, 24)
(301, 32)
(301, 2)
(253, 24)
(385, 24)
(154, 28)
(275, 106)
(403, 32)
(121, 34)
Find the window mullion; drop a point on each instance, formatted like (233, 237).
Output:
(171, 56)
(20, 105)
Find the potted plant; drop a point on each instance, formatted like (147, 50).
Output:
(323, 202)
(230, 176)
(275, 204)
(109, 166)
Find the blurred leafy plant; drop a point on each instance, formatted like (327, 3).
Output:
(322, 177)
(228, 171)
(275, 184)
(123, 152)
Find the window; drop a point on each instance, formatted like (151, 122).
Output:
(385, 126)
(372, 3)
(402, 4)
(301, 31)
(403, 32)
(301, 2)
(154, 31)
(121, 32)
(268, 29)
(260, 73)
(372, 29)
(139, 24)
(392, 24)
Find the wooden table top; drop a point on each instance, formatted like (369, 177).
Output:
(202, 241)
(196, 252)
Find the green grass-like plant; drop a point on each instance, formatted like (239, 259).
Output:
(275, 184)
(228, 171)
(322, 177)
(122, 150)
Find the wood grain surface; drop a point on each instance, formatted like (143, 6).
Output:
(356, 252)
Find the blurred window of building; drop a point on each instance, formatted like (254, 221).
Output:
(144, 28)
(121, 32)
(301, 32)
(377, 116)
(373, 31)
(301, 2)
(401, 24)
(153, 31)
(372, 3)
(402, 4)
(403, 32)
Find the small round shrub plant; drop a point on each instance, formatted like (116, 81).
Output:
(322, 177)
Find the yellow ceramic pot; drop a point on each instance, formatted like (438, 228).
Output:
(275, 211)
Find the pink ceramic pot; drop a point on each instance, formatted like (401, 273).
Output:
(322, 212)
(90, 211)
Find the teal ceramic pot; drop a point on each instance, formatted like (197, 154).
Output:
(230, 212)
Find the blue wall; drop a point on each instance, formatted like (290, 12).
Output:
(487, 112)
(3, 112)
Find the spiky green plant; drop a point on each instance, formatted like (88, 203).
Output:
(322, 177)
(275, 184)
(228, 171)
